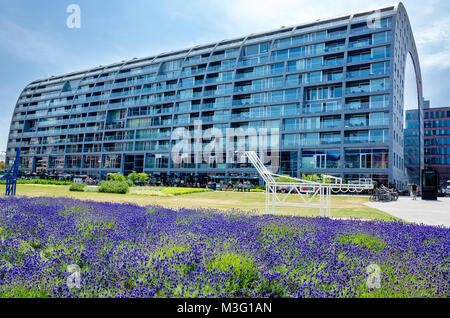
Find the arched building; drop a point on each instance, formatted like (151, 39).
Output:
(334, 88)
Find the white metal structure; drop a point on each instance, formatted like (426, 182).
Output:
(305, 189)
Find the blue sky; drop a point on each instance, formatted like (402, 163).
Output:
(35, 41)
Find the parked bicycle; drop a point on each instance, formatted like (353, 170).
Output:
(384, 194)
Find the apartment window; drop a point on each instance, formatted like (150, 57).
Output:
(321, 159)
(378, 119)
(291, 109)
(256, 49)
(311, 123)
(330, 138)
(290, 140)
(288, 162)
(310, 139)
(274, 111)
(380, 52)
(277, 68)
(291, 124)
(379, 85)
(374, 158)
(323, 92)
(171, 66)
(313, 77)
(379, 101)
(379, 68)
(381, 37)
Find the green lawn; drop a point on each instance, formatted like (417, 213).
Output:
(342, 206)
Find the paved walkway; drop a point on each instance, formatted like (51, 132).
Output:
(420, 211)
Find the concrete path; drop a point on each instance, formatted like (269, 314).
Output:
(420, 211)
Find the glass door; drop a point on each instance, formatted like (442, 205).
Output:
(366, 160)
(321, 161)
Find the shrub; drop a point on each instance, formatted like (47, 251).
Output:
(113, 187)
(133, 177)
(179, 191)
(40, 181)
(315, 178)
(116, 177)
(77, 187)
(143, 177)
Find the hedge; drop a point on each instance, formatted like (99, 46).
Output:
(40, 181)
(77, 187)
(180, 190)
(113, 187)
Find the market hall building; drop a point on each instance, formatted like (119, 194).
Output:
(334, 88)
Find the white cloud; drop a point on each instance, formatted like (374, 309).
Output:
(439, 60)
(435, 32)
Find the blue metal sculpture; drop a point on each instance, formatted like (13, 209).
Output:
(11, 176)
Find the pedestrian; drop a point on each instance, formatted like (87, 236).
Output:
(414, 190)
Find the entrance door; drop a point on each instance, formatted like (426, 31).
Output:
(366, 160)
(321, 161)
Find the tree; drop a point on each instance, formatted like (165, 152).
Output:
(133, 177)
(143, 177)
(116, 177)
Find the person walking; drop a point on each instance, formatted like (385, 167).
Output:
(414, 190)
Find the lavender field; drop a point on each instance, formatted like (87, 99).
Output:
(125, 250)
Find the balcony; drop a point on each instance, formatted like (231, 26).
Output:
(359, 58)
(253, 61)
(218, 92)
(115, 126)
(193, 72)
(207, 119)
(330, 139)
(127, 83)
(216, 105)
(357, 105)
(220, 67)
(359, 73)
(334, 48)
(357, 139)
(125, 94)
(334, 77)
(240, 116)
(358, 89)
(189, 96)
(356, 123)
(196, 61)
(330, 123)
(337, 34)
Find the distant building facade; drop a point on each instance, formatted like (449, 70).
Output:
(436, 146)
(437, 141)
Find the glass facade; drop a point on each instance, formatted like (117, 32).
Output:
(328, 88)
(436, 142)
